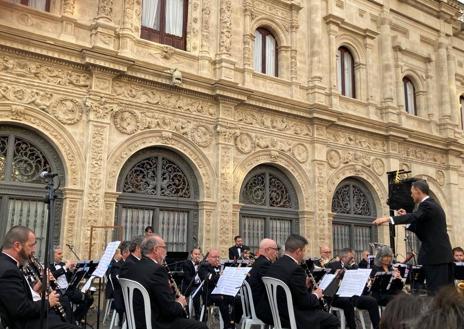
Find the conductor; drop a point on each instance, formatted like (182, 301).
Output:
(428, 222)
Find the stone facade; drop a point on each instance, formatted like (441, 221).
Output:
(81, 76)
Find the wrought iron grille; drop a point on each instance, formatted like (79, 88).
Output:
(351, 199)
(28, 162)
(266, 189)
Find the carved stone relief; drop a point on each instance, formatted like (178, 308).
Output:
(422, 153)
(169, 100)
(274, 122)
(225, 38)
(43, 72)
(100, 108)
(66, 110)
(378, 166)
(246, 143)
(440, 177)
(126, 121)
(336, 158)
(205, 18)
(68, 7)
(355, 139)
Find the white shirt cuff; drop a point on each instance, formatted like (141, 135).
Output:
(392, 221)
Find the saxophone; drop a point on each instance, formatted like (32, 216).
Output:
(37, 270)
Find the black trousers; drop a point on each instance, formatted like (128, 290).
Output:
(438, 276)
(368, 303)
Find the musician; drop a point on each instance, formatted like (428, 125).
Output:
(364, 263)
(191, 279)
(306, 305)
(429, 224)
(135, 251)
(458, 254)
(167, 311)
(326, 256)
(235, 252)
(17, 307)
(149, 231)
(210, 271)
(383, 264)
(268, 252)
(348, 304)
(113, 273)
(63, 273)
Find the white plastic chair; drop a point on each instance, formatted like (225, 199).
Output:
(272, 286)
(109, 301)
(341, 316)
(128, 287)
(361, 318)
(249, 317)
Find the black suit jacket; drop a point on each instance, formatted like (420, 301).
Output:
(293, 275)
(429, 224)
(233, 252)
(16, 304)
(58, 271)
(337, 265)
(259, 269)
(154, 277)
(189, 277)
(210, 275)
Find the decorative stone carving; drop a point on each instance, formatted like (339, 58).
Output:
(25, 96)
(334, 158)
(356, 139)
(105, 8)
(24, 19)
(244, 143)
(405, 167)
(225, 38)
(273, 122)
(126, 121)
(300, 152)
(169, 100)
(68, 7)
(226, 134)
(422, 153)
(100, 108)
(378, 166)
(205, 18)
(43, 72)
(440, 177)
(66, 110)
(202, 136)
(356, 157)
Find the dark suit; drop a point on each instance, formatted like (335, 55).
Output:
(306, 305)
(17, 307)
(363, 264)
(429, 224)
(259, 269)
(190, 283)
(233, 252)
(166, 312)
(384, 297)
(349, 303)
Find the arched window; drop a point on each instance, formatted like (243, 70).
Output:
(23, 156)
(159, 188)
(353, 209)
(43, 5)
(165, 21)
(409, 96)
(265, 52)
(345, 73)
(461, 103)
(270, 207)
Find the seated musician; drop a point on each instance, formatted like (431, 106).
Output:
(209, 271)
(17, 307)
(63, 273)
(191, 280)
(364, 263)
(326, 256)
(167, 311)
(135, 250)
(306, 305)
(235, 252)
(458, 254)
(268, 252)
(348, 304)
(383, 264)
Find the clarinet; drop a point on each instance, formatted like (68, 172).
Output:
(37, 270)
(175, 287)
(325, 306)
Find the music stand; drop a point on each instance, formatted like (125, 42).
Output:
(416, 278)
(381, 282)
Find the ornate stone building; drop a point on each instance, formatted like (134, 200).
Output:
(209, 118)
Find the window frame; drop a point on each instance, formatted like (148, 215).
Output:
(161, 36)
(47, 5)
(406, 80)
(264, 33)
(342, 50)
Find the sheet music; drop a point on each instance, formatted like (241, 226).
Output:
(105, 261)
(62, 282)
(353, 282)
(231, 280)
(87, 285)
(326, 281)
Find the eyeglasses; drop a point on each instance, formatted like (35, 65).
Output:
(164, 247)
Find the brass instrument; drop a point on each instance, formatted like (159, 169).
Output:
(460, 286)
(36, 270)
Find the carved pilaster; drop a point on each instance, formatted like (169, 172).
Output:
(322, 208)
(72, 207)
(205, 56)
(386, 58)
(207, 235)
(103, 30)
(130, 29)
(225, 20)
(68, 7)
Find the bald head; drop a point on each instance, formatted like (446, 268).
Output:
(268, 248)
(214, 257)
(325, 251)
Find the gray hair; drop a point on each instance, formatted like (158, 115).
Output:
(422, 186)
(294, 242)
(149, 243)
(136, 242)
(382, 252)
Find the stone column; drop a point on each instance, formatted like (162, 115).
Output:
(72, 207)
(68, 21)
(207, 236)
(386, 59)
(248, 40)
(130, 29)
(225, 63)
(333, 31)
(454, 99)
(443, 81)
(371, 80)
